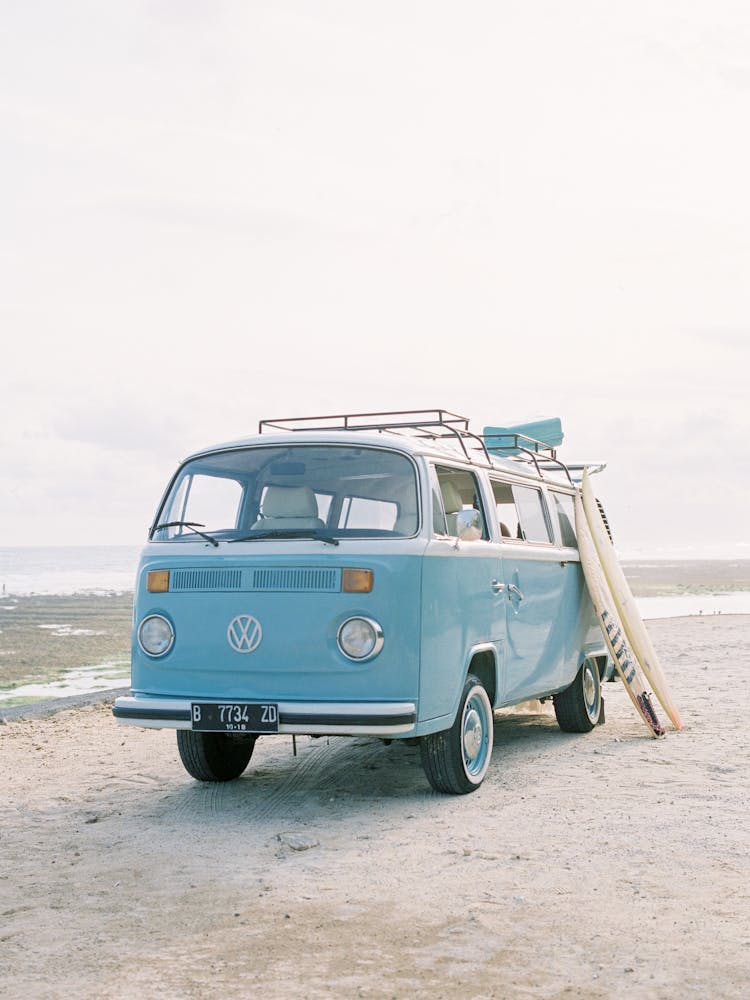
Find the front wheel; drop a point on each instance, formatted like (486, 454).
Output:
(579, 707)
(456, 760)
(214, 756)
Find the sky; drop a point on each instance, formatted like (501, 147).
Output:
(218, 212)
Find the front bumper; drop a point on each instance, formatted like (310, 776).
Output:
(296, 717)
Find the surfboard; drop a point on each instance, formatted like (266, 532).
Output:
(635, 630)
(614, 634)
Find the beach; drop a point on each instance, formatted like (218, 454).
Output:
(597, 866)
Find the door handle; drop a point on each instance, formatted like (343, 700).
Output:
(498, 587)
(513, 589)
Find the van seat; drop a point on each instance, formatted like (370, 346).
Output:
(452, 503)
(288, 507)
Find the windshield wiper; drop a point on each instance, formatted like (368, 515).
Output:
(193, 525)
(289, 533)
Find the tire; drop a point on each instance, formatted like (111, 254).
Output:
(456, 759)
(214, 756)
(580, 707)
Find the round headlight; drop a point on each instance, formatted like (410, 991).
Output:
(360, 638)
(155, 635)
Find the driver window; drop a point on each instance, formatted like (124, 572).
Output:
(439, 527)
(211, 501)
(459, 490)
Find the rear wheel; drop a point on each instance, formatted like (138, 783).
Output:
(579, 707)
(456, 760)
(214, 756)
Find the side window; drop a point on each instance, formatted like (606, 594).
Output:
(529, 503)
(459, 490)
(359, 512)
(323, 501)
(213, 501)
(439, 527)
(507, 515)
(566, 513)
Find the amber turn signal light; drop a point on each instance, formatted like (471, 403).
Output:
(157, 581)
(356, 581)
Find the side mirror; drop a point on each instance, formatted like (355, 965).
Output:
(469, 525)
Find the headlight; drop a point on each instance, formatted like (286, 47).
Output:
(155, 635)
(360, 638)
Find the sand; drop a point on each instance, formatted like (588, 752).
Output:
(606, 865)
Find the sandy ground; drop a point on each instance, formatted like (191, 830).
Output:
(606, 865)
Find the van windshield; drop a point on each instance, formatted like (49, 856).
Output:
(334, 490)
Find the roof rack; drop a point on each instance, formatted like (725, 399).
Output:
(374, 421)
(432, 424)
(435, 425)
(521, 443)
(575, 471)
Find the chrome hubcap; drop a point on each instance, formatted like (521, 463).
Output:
(473, 734)
(590, 690)
(476, 734)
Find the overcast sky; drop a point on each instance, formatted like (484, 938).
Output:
(213, 212)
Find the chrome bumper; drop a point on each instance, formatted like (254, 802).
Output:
(308, 718)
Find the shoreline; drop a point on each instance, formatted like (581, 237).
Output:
(50, 706)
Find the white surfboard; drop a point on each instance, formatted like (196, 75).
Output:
(635, 630)
(614, 634)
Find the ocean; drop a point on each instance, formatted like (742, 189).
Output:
(68, 569)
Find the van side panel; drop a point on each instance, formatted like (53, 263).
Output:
(460, 610)
(584, 635)
(539, 623)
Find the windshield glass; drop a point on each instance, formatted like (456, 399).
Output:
(333, 490)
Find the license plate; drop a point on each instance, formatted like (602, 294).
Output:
(234, 717)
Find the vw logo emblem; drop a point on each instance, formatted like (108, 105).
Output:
(244, 634)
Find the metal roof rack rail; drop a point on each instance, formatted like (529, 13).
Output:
(432, 424)
(532, 449)
(367, 421)
(575, 470)
(435, 425)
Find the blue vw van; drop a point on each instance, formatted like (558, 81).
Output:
(390, 575)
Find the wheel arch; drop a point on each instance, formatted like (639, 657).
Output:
(482, 661)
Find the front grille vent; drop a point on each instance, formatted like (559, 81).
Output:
(206, 579)
(295, 579)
